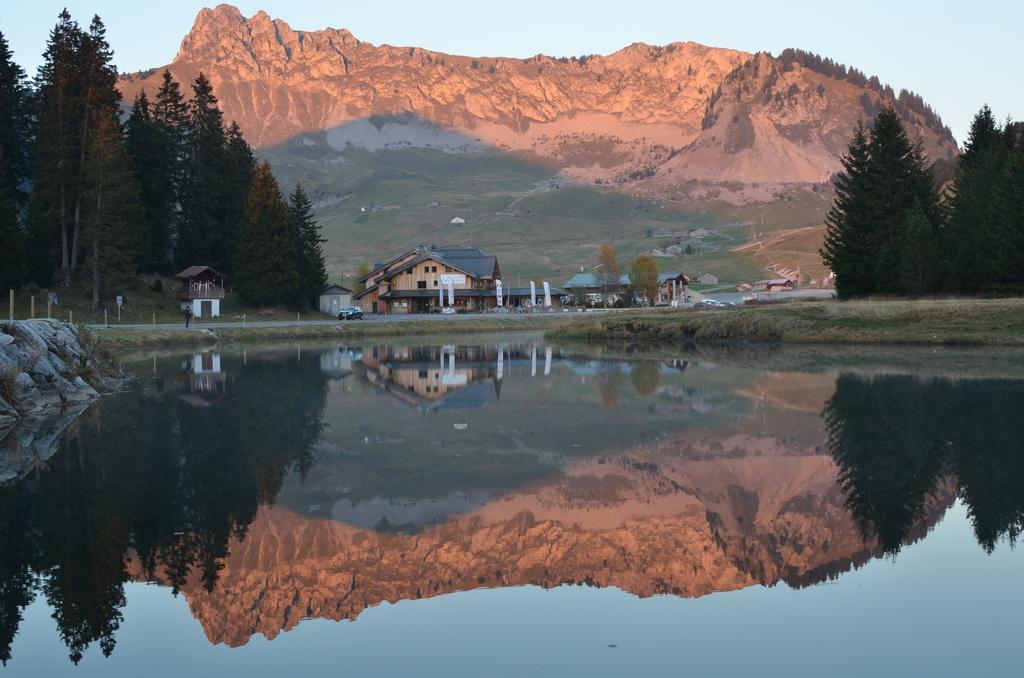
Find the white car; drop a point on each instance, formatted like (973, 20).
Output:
(448, 310)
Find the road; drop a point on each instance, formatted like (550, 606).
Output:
(737, 297)
(231, 324)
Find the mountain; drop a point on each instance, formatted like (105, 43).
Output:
(685, 517)
(688, 127)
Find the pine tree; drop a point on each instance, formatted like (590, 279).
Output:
(170, 113)
(55, 158)
(239, 164)
(112, 194)
(974, 239)
(885, 175)
(201, 224)
(897, 176)
(310, 266)
(147, 147)
(15, 121)
(917, 254)
(264, 267)
(846, 251)
(12, 241)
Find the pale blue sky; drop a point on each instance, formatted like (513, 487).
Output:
(957, 55)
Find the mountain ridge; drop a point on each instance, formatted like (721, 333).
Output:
(659, 117)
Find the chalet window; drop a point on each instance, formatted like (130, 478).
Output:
(433, 269)
(435, 283)
(422, 284)
(423, 374)
(447, 269)
(409, 272)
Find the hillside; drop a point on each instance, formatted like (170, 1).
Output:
(683, 134)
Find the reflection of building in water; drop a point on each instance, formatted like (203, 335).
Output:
(432, 378)
(337, 363)
(203, 382)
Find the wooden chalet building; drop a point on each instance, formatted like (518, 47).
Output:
(414, 282)
(202, 288)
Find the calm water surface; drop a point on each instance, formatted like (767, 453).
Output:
(506, 507)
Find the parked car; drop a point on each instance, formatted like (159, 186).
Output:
(713, 303)
(350, 313)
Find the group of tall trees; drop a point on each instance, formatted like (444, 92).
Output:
(84, 197)
(892, 231)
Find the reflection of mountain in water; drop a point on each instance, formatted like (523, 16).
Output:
(185, 492)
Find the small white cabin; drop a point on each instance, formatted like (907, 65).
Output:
(334, 298)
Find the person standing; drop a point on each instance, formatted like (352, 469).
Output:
(188, 315)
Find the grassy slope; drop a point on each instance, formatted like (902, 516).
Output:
(932, 322)
(546, 234)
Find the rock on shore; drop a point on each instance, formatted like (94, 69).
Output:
(48, 375)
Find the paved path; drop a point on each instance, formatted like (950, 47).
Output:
(327, 323)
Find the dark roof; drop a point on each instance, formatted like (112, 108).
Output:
(367, 290)
(470, 260)
(336, 289)
(193, 271)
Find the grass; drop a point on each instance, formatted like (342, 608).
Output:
(114, 338)
(965, 322)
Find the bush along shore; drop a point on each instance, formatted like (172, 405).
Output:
(964, 322)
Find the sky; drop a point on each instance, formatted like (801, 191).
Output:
(957, 55)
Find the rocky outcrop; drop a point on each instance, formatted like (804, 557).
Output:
(672, 119)
(47, 377)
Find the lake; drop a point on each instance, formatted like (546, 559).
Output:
(500, 506)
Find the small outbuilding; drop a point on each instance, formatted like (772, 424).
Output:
(334, 298)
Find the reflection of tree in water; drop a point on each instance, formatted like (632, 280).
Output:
(645, 376)
(609, 382)
(153, 475)
(894, 438)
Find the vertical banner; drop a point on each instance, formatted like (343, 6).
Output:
(440, 292)
(533, 293)
(547, 294)
(501, 362)
(497, 291)
(451, 293)
(547, 360)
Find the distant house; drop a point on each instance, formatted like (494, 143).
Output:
(414, 282)
(707, 279)
(202, 289)
(671, 287)
(334, 298)
(775, 285)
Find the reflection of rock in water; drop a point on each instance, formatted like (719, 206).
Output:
(683, 517)
(33, 440)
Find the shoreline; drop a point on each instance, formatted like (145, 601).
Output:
(932, 322)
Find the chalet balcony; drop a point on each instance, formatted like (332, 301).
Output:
(201, 292)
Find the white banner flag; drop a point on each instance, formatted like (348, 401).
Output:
(440, 293)
(533, 293)
(497, 291)
(451, 292)
(547, 294)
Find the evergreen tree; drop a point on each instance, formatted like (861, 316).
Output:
(917, 254)
(55, 156)
(239, 164)
(12, 242)
(112, 192)
(975, 237)
(265, 267)
(170, 113)
(885, 175)
(846, 250)
(201, 230)
(147, 147)
(309, 257)
(15, 121)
